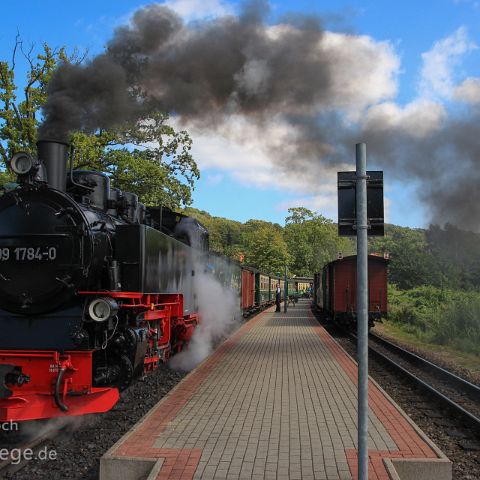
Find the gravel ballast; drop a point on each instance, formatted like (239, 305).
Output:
(456, 440)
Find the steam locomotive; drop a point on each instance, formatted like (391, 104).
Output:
(95, 288)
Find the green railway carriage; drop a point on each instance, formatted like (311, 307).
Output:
(273, 281)
(300, 285)
(266, 286)
(262, 289)
(292, 289)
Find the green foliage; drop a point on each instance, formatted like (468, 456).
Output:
(412, 262)
(164, 173)
(306, 242)
(19, 114)
(225, 235)
(443, 257)
(149, 158)
(312, 241)
(417, 307)
(265, 247)
(457, 254)
(459, 323)
(260, 244)
(437, 315)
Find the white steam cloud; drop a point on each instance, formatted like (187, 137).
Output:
(218, 307)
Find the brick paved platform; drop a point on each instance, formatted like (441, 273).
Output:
(275, 401)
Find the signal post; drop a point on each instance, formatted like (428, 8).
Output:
(360, 213)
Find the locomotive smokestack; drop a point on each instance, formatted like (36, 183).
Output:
(54, 155)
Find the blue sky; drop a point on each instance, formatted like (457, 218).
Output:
(405, 33)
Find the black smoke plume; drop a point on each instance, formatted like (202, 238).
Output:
(205, 71)
(199, 72)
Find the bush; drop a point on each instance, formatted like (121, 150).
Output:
(459, 324)
(436, 315)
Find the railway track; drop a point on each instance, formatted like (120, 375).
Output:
(461, 397)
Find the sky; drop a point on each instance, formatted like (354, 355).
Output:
(408, 64)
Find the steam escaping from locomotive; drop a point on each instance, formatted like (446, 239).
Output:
(219, 315)
(294, 73)
(217, 301)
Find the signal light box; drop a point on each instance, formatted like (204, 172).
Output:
(346, 182)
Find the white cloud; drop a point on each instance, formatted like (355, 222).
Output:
(198, 9)
(468, 91)
(362, 71)
(437, 75)
(365, 71)
(246, 152)
(363, 91)
(324, 202)
(418, 118)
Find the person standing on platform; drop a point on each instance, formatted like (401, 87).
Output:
(278, 297)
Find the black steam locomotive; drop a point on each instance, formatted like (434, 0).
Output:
(90, 283)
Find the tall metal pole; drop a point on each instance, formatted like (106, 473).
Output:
(362, 309)
(285, 292)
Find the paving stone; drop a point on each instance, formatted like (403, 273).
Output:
(278, 400)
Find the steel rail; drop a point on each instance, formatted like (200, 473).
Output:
(447, 402)
(466, 386)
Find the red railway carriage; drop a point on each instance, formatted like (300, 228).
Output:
(248, 290)
(335, 289)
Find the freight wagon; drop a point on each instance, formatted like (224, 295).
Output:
(335, 289)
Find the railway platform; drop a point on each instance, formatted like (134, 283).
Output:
(277, 400)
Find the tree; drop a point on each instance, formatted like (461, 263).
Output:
(457, 254)
(225, 235)
(265, 247)
(149, 157)
(312, 241)
(411, 261)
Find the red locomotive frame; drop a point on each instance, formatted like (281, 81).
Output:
(61, 383)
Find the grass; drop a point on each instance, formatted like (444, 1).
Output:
(469, 361)
(443, 321)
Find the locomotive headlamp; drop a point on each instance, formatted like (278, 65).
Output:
(21, 163)
(102, 309)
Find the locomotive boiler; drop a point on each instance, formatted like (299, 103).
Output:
(95, 288)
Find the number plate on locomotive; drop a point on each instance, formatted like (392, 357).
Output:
(28, 254)
(25, 249)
